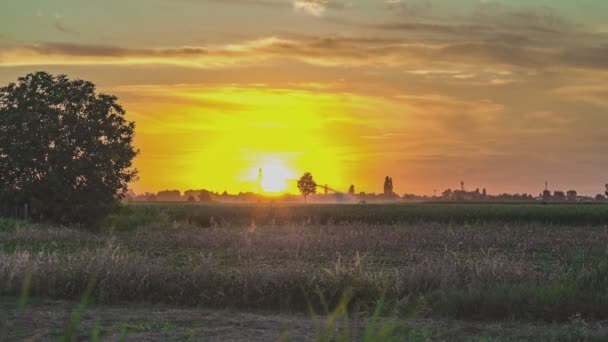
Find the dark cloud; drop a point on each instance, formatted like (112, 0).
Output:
(354, 51)
(491, 22)
(538, 19)
(86, 50)
(586, 57)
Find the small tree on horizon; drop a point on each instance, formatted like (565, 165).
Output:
(205, 196)
(307, 185)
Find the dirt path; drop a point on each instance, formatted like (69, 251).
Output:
(44, 320)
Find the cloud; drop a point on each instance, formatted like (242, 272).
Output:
(322, 51)
(312, 7)
(315, 8)
(594, 94)
(411, 8)
(539, 26)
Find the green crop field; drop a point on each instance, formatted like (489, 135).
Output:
(424, 266)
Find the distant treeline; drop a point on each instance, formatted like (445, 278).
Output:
(449, 195)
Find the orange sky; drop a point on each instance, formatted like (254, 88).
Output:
(501, 94)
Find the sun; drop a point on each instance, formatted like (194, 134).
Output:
(274, 176)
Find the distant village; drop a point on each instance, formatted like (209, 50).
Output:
(325, 194)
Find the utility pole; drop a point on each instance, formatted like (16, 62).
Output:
(462, 185)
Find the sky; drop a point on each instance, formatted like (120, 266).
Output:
(500, 94)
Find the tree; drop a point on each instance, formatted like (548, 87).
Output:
(388, 186)
(447, 194)
(606, 192)
(169, 196)
(307, 185)
(559, 195)
(351, 190)
(65, 150)
(205, 196)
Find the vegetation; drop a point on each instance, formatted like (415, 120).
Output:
(464, 264)
(374, 214)
(307, 185)
(65, 150)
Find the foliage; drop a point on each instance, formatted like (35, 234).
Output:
(65, 150)
(307, 185)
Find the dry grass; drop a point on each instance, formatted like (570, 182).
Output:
(472, 271)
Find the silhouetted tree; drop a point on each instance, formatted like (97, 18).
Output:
(351, 190)
(65, 149)
(205, 196)
(484, 193)
(447, 194)
(388, 186)
(169, 196)
(606, 192)
(307, 185)
(572, 195)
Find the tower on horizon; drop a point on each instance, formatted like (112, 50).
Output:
(260, 177)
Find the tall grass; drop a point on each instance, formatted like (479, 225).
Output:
(469, 271)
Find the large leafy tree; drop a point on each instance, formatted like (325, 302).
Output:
(65, 150)
(307, 185)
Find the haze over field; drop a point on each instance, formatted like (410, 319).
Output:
(503, 94)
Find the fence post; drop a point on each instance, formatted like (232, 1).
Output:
(25, 208)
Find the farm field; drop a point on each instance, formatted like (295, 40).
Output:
(522, 271)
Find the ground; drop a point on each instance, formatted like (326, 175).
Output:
(49, 320)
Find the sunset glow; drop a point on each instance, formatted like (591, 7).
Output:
(277, 177)
(349, 91)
